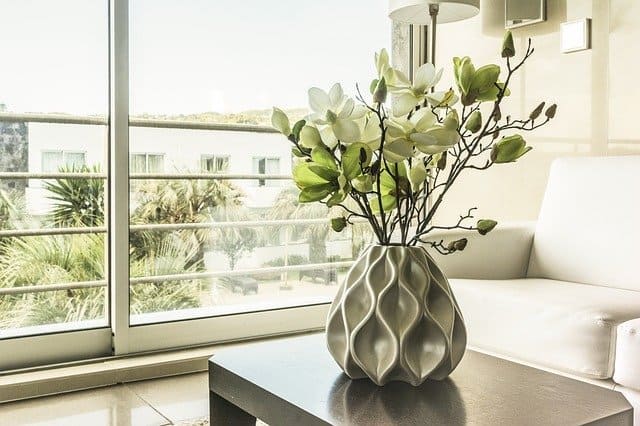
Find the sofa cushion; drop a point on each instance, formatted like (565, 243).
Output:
(560, 325)
(588, 229)
(627, 366)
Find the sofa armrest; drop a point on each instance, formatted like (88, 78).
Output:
(627, 364)
(500, 255)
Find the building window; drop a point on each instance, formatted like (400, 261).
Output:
(266, 166)
(53, 161)
(214, 163)
(146, 163)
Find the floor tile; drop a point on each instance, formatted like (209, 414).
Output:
(112, 406)
(177, 398)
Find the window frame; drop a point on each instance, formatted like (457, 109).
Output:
(215, 157)
(63, 153)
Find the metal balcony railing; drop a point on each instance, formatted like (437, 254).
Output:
(173, 124)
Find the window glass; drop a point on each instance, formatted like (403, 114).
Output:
(54, 64)
(221, 64)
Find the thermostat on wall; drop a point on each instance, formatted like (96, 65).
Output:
(576, 35)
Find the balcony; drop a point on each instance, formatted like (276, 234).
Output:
(264, 252)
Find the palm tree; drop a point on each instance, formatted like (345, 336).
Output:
(77, 202)
(172, 256)
(287, 206)
(234, 242)
(53, 259)
(178, 201)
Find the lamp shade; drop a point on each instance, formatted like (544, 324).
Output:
(417, 11)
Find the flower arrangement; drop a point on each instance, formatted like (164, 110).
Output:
(391, 160)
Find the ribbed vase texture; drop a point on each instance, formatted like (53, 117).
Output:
(395, 318)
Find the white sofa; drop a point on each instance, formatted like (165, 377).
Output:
(562, 293)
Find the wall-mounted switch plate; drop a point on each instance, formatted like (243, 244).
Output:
(576, 35)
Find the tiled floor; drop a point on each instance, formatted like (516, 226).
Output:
(172, 400)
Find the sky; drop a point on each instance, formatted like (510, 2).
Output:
(187, 56)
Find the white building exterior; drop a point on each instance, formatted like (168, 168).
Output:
(181, 151)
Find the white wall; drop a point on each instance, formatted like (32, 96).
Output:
(596, 93)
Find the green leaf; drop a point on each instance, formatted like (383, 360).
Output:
(315, 193)
(352, 157)
(485, 226)
(337, 197)
(362, 183)
(389, 203)
(338, 223)
(296, 152)
(321, 155)
(296, 129)
(280, 121)
(387, 180)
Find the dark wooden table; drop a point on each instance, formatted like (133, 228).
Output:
(294, 381)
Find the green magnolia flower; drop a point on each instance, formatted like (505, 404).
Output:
(509, 149)
(476, 85)
(336, 111)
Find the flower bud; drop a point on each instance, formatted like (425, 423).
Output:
(442, 161)
(509, 149)
(497, 114)
(338, 223)
(551, 111)
(485, 226)
(474, 122)
(457, 245)
(508, 49)
(536, 112)
(380, 94)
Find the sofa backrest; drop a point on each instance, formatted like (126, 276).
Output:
(588, 230)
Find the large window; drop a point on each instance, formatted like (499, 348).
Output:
(55, 160)
(215, 163)
(265, 166)
(146, 163)
(93, 89)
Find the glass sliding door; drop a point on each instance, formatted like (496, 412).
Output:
(53, 180)
(228, 245)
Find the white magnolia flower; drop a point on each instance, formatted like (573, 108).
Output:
(370, 132)
(423, 132)
(336, 111)
(411, 94)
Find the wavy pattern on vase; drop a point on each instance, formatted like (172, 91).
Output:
(395, 318)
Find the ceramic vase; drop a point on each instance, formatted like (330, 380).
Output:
(395, 318)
